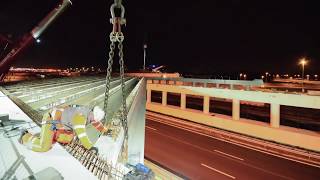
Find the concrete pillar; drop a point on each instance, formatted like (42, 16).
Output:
(231, 86)
(206, 104)
(217, 85)
(183, 101)
(164, 98)
(275, 115)
(235, 109)
(148, 95)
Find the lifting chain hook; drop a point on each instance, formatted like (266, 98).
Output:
(116, 36)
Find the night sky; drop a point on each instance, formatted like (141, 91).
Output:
(187, 36)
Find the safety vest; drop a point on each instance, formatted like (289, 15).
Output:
(99, 126)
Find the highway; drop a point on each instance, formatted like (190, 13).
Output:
(195, 156)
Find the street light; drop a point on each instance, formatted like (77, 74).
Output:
(303, 62)
(144, 56)
(267, 76)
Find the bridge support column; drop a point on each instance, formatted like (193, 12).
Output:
(206, 104)
(148, 95)
(235, 109)
(183, 101)
(164, 98)
(275, 115)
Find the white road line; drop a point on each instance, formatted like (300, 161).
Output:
(218, 171)
(235, 157)
(151, 128)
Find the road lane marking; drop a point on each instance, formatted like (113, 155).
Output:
(237, 144)
(209, 151)
(218, 171)
(151, 128)
(235, 157)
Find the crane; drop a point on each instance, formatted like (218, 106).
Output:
(10, 51)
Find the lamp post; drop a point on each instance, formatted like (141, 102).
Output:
(144, 56)
(267, 76)
(303, 62)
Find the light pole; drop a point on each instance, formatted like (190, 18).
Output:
(144, 56)
(267, 76)
(303, 62)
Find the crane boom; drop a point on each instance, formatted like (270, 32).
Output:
(30, 37)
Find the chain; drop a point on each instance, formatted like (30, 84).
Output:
(124, 105)
(118, 3)
(117, 36)
(109, 71)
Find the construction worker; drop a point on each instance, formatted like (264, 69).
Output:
(62, 124)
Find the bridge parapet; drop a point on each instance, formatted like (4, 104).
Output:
(209, 83)
(273, 130)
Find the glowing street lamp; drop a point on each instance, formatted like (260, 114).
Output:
(144, 55)
(267, 76)
(303, 62)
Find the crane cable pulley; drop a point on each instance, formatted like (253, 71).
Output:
(116, 36)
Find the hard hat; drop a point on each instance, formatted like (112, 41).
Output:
(98, 113)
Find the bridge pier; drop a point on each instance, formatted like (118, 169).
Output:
(235, 109)
(148, 95)
(164, 98)
(183, 101)
(275, 115)
(206, 104)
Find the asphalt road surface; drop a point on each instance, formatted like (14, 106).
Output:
(195, 156)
